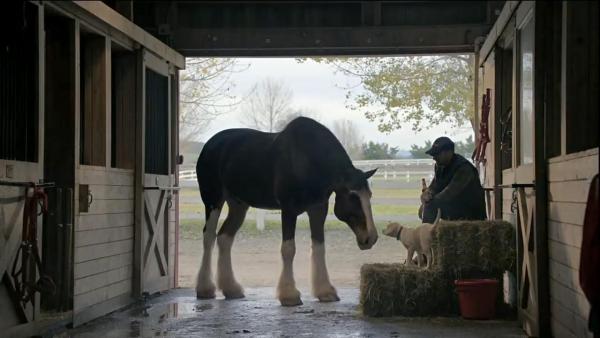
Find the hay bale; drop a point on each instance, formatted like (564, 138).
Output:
(474, 249)
(462, 249)
(401, 290)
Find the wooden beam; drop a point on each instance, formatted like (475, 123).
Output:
(496, 31)
(98, 10)
(175, 168)
(543, 20)
(327, 41)
(108, 101)
(138, 277)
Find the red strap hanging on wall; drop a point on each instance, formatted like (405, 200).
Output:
(27, 264)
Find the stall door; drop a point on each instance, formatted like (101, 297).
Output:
(524, 173)
(158, 180)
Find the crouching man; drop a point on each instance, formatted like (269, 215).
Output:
(455, 188)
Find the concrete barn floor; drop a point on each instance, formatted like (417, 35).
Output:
(179, 314)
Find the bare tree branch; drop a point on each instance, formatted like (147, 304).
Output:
(267, 104)
(206, 93)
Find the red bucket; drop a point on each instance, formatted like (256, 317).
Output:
(477, 297)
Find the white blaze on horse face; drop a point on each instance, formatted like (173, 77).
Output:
(365, 202)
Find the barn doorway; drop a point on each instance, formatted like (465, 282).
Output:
(318, 90)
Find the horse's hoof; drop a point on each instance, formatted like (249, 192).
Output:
(288, 295)
(327, 298)
(205, 295)
(208, 293)
(233, 294)
(290, 301)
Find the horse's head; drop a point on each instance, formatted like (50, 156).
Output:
(353, 206)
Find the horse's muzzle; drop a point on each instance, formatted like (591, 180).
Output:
(368, 242)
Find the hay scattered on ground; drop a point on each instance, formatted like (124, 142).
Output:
(462, 249)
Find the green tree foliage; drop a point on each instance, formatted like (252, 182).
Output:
(414, 89)
(464, 148)
(378, 151)
(418, 151)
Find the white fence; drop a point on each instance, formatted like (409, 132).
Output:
(386, 168)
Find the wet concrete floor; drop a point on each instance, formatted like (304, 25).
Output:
(179, 314)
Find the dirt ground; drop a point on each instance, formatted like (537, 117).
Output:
(257, 261)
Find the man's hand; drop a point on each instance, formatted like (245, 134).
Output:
(426, 196)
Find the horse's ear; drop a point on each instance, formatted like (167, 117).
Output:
(370, 173)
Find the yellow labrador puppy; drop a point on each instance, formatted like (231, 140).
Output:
(415, 239)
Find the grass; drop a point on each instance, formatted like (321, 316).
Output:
(397, 193)
(378, 209)
(192, 228)
(377, 193)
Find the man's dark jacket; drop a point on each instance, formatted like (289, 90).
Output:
(457, 191)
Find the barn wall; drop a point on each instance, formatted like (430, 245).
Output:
(11, 226)
(104, 243)
(569, 181)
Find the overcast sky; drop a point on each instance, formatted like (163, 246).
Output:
(317, 88)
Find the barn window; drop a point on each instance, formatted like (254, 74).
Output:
(526, 66)
(504, 97)
(157, 123)
(581, 75)
(19, 83)
(93, 99)
(123, 108)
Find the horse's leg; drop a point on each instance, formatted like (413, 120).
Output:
(205, 288)
(287, 293)
(321, 286)
(225, 278)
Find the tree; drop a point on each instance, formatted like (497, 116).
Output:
(463, 148)
(349, 136)
(412, 89)
(419, 152)
(295, 113)
(378, 151)
(267, 104)
(205, 93)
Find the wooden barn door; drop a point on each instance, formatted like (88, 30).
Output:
(158, 180)
(528, 138)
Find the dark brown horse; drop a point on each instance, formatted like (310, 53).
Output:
(295, 171)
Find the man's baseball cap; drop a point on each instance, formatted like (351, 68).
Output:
(439, 145)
